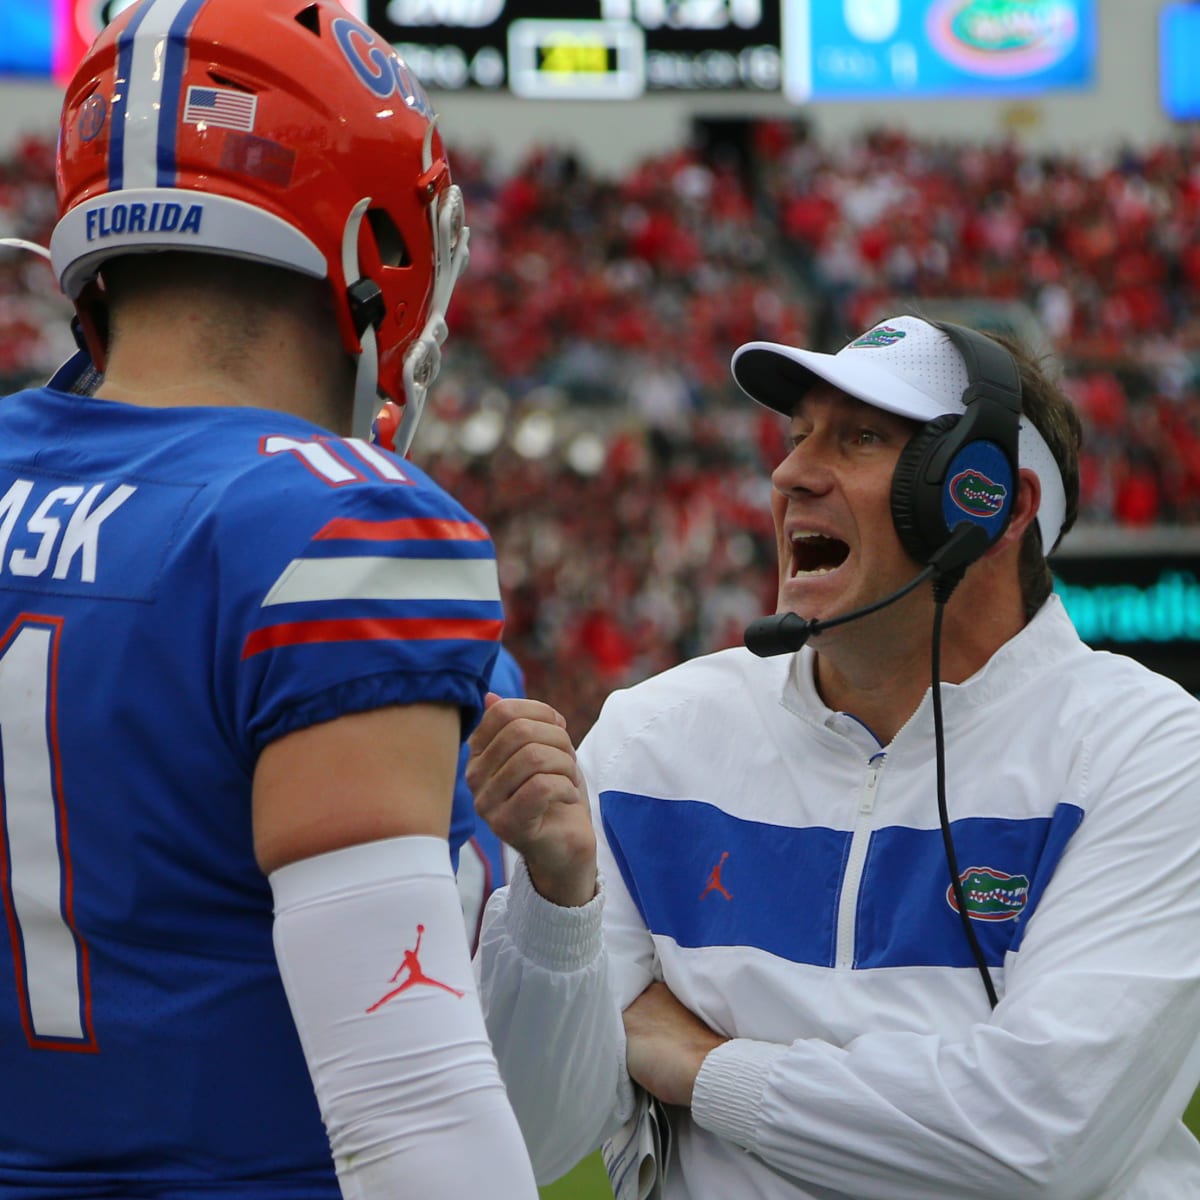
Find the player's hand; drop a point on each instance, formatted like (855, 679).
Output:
(665, 1045)
(527, 787)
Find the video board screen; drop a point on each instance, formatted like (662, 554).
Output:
(1179, 60)
(1144, 605)
(873, 49)
(586, 49)
(26, 39)
(546, 49)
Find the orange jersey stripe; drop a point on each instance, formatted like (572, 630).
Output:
(364, 629)
(426, 528)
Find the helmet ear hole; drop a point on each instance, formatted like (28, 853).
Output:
(393, 250)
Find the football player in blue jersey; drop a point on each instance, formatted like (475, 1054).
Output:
(904, 909)
(239, 643)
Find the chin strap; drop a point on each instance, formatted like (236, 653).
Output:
(366, 307)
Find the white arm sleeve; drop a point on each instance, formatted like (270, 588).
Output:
(373, 955)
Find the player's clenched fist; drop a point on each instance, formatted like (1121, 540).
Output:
(528, 788)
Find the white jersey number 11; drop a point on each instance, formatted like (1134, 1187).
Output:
(49, 958)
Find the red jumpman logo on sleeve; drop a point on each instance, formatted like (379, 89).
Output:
(412, 964)
(714, 879)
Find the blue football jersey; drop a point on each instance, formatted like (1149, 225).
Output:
(178, 588)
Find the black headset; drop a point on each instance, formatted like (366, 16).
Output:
(963, 467)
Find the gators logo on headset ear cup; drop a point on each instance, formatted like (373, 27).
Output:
(952, 471)
(917, 503)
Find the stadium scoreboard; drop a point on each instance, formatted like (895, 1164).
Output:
(585, 49)
(804, 50)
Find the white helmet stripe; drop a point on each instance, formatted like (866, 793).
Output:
(151, 56)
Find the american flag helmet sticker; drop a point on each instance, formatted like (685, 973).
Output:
(224, 108)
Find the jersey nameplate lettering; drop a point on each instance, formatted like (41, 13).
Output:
(79, 536)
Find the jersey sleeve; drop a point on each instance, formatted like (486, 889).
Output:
(351, 594)
(507, 679)
(476, 853)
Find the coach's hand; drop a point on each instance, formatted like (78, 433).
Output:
(528, 788)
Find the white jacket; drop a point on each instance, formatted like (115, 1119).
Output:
(865, 1061)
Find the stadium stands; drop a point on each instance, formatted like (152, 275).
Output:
(585, 410)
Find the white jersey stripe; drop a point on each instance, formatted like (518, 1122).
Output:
(309, 579)
(144, 103)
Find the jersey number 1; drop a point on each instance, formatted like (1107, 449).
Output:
(49, 958)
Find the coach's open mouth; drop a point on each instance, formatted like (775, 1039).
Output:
(816, 553)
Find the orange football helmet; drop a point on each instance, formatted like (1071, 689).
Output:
(279, 131)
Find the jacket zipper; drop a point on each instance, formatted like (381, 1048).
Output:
(855, 861)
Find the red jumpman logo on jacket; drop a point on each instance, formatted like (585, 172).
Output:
(714, 879)
(412, 964)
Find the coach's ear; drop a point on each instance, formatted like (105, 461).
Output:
(1024, 512)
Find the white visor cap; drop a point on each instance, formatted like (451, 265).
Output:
(903, 365)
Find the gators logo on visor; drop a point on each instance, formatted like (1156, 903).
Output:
(976, 494)
(885, 335)
(991, 895)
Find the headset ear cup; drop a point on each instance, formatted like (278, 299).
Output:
(916, 502)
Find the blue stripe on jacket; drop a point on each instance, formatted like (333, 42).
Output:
(780, 886)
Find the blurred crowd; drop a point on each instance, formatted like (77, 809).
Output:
(585, 410)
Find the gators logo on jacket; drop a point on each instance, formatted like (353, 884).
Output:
(991, 895)
(976, 494)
